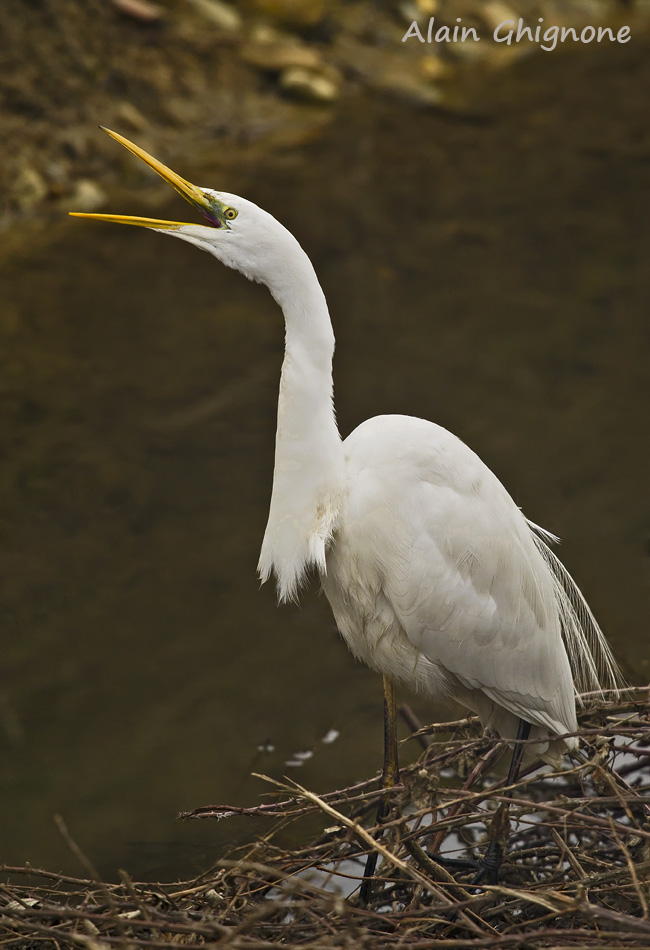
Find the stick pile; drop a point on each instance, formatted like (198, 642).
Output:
(575, 876)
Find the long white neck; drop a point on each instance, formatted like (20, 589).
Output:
(309, 465)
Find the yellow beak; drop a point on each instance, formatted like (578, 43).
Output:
(189, 191)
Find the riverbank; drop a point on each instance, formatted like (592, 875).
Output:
(192, 79)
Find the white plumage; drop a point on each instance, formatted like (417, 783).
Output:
(436, 579)
(434, 575)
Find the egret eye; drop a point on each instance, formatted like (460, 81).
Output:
(230, 213)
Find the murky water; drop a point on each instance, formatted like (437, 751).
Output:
(488, 272)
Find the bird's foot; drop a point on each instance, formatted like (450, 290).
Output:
(486, 868)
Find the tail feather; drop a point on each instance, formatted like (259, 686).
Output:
(592, 662)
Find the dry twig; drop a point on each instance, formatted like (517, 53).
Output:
(576, 876)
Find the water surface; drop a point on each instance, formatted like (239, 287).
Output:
(488, 272)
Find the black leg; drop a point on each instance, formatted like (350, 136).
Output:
(487, 867)
(489, 864)
(518, 752)
(389, 777)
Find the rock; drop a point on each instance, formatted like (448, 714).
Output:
(395, 72)
(86, 196)
(30, 188)
(298, 13)
(496, 12)
(221, 15)
(261, 32)
(57, 174)
(435, 69)
(410, 10)
(406, 84)
(143, 10)
(279, 55)
(128, 113)
(310, 84)
(184, 110)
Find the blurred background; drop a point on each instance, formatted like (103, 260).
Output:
(478, 215)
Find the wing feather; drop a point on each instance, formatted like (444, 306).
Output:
(592, 661)
(431, 535)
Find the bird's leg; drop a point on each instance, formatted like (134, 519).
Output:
(489, 864)
(389, 777)
(390, 774)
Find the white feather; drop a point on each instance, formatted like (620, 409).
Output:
(592, 661)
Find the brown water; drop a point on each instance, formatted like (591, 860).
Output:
(489, 272)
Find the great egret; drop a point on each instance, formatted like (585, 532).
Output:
(434, 576)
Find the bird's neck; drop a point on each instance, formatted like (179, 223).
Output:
(308, 473)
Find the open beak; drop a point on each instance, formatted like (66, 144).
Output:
(189, 191)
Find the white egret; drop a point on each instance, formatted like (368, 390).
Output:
(435, 577)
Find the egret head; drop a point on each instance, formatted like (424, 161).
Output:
(236, 231)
